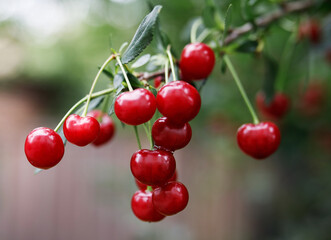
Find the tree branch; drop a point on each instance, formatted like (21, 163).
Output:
(269, 18)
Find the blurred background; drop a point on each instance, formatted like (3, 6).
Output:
(50, 51)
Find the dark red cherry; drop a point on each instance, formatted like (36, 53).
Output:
(258, 140)
(153, 167)
(142, 207)
(135, 107)
(81, 130)
(179, 101)
(169, 136)
(313, 99)
(158, 81)
(170, 198)
(276, 108)
(107, 126)
(197, 61)
(44, 148)
(310, 29)
(142, 186)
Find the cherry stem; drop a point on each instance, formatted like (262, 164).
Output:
(149, 188)
(171, 63)
(137, 136)
(203, 35)
(194, 30)
(95, 82)
(166, 72)
(147, 127)
(241, 89)
(97, 94)
(124, 73)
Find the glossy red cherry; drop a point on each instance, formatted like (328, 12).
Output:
(310, 29)
(142, 186)
(276, 108)
(107, 126)
(169, 136)
(258, 140)
(81, 130)
(44, 148)
(135, 107)
(197, 61)
(158, 81)
(142, 207)
(170, 198)
(153, 167)
(179, 101)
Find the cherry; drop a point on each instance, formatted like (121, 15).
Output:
(171, 137)
(170, 198)
(44, 148)
(311, 30)
(135, 107)
(81, 130)
(313, 99)
(142, 186)
(179, 101)
(153, 167)
(142, 207)
(107, 126)
(258, 140)
(158, 81)
(276, 108)
(197, 61)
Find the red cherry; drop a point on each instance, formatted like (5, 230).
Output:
(170, 198)
(81, 130)
(258, 140)
(310, 29)
(135, 107)
(313, 99)
(197, 61)
(142, 186)
(276, 108)
(107, 127)
(142, 207)
(44, 148)
(171, 137)
(153, 167)
(158, 81)
(179, 101)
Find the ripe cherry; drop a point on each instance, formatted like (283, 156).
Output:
(258, 140)
(169, 136)
(170, 198)
(142, 186)
(310, 29)
(81, 130)
(153, 167)
(135, 107)
(313, 99)
(44, 148)
(197, 61)
(179, 101)
(276, 108)
(158, 81)
(142, 207)
(107, 126)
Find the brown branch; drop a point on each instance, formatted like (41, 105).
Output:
(266, 20)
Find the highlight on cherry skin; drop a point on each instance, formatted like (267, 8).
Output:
(196, 62)
(107, 127)
(135, 107)
(81, 131)
(44, 148)
(179, 101)
(258, 140)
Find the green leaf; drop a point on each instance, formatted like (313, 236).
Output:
(119, 81)
(107, 73)
(142, 37)
(227, 21)
(248, 46)
(141, 61)
(270, 77)
(208, 16)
